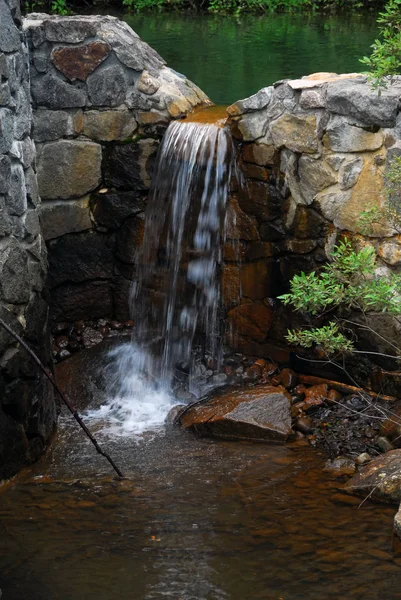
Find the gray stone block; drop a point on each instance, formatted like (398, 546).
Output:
(23, 115)
(5, 94)
(50, 125)
(59, 218)
(5, 174)
(16, 200)
(68, 169)
(107, 86)
(10, 39)
(80, 257)
(361, 101)
(5, 223)
(15, 282)
(71, 30)
(109, 125)
(52, 92)
(31, 184)
(128, 46)
(6, 130)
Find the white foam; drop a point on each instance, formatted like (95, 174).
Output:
(137, 405)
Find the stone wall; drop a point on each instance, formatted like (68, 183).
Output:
(102, 99)
(27, 408)
(313, 152)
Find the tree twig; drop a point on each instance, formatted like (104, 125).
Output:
(63, 397)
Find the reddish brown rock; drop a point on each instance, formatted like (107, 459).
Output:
(333, 397)
(300, 391)
(251, 320)
(288, 378)
(316, 395)
(253, 373)
(77, 62)
(261, 414)
(304, 425)
(255, 279)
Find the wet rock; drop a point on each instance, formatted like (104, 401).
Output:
(363, 458)
(253, 373)
(397, 524)
(251, 320)
(63, 354)
(316, 395)
(333, 397)
(391, 427)
(340, 466)
(62, 341)
(380, 478)
(91, 337)
(259, 414)
(174, 413)
(304, 425)
(288, 379)
(384, 444)
(299, 391)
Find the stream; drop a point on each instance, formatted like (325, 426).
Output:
(196, 519)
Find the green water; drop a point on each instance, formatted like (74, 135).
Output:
(231, 58)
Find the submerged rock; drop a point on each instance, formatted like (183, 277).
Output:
(260, 414)
(380, 479)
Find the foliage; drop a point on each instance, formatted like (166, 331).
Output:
(385, 60)
(390, 213)
(238, 7)
(347, 283)
(328, 337)
(57, 7)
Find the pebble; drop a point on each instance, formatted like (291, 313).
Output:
(253, 373)
(269, 370)
(304, 425)
(91, 337)
(363, 458)
(61, 341)
(60, 328)
(288, 378)
(333, 397)
(384, 444)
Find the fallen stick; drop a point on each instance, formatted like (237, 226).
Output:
(343, 387)
(68, 404)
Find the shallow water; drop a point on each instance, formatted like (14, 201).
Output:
(232, 58)
(197, 519)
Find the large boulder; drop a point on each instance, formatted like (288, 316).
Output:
(380, 479)
(260, 414)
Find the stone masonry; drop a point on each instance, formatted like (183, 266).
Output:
(102, 99)
(313, 153)
(27, 407)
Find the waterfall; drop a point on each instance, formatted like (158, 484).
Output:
(175, 297)
(178, 285)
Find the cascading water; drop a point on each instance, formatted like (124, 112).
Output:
(176, 294)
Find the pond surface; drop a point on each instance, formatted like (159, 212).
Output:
(231, 58)
(196, 519)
